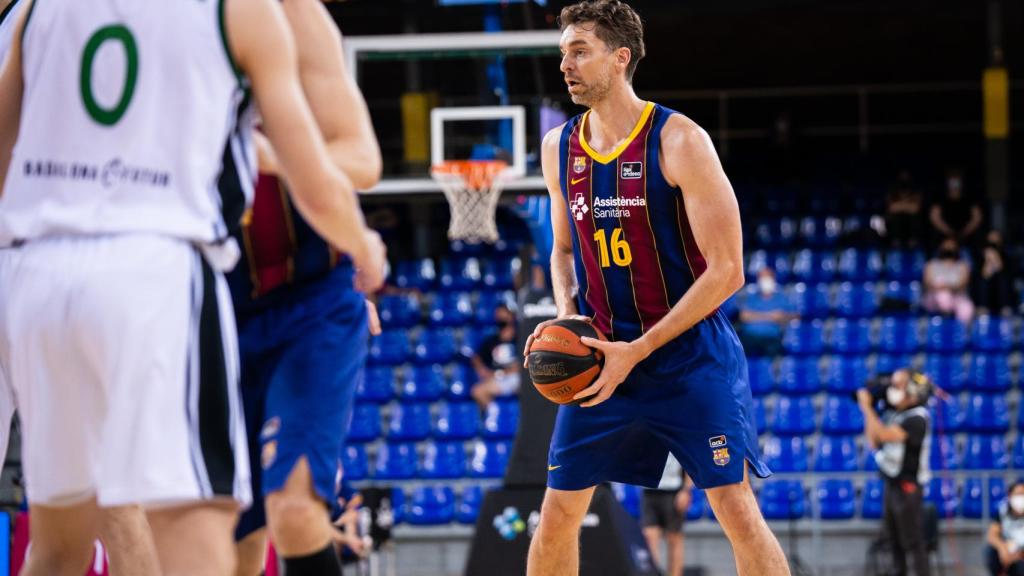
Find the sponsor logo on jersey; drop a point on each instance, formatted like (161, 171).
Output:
(616, 207)
(579, 207)
(112, 173)
(717, 441)
(579, 164)
(632, 170)
(720, 456)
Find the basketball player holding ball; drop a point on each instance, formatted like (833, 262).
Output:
(647, 235)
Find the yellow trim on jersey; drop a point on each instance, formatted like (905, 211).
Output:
(606, 158)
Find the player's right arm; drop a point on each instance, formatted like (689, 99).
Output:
(264, 49)
(11, 89)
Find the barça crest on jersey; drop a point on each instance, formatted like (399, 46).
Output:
(579, 164)
(632, 170)
(720, 456)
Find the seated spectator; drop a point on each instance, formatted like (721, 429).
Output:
(955, 216)
(496, 362)
(994, 280)
(763, 317)
(946, 281)
(903, 224)
(1005, 551)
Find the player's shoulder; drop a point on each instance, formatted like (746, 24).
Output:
(681, 132)
(553, 136)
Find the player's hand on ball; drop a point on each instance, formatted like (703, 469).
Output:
(619, 360)
(540, 328)
(370, 270)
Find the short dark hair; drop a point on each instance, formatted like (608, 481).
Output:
(616, 24)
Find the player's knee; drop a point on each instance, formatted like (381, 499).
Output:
(68, 558)
(294, 513)
(562, 513)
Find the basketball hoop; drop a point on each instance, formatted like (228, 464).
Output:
(472, 188)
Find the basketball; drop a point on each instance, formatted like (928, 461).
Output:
(560, 365)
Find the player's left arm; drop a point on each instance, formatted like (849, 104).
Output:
(12, 86)
(690, 162)
(337, 104)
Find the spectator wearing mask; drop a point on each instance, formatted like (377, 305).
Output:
(955, 216)
(946, 282)
(994, 281)
(763, 316)
(496, 361)
(902, 438)
(903, 223)
(1004, 554)
(663, 513)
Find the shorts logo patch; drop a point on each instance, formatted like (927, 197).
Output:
(269, 454)
(270, 428)
(717, 441)
(720, 456)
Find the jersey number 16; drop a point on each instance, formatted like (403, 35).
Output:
(620, 253)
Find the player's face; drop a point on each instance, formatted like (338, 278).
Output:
(588, 65)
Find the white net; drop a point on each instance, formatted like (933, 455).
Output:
(472, 188)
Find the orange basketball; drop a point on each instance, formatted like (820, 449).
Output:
(560, 365)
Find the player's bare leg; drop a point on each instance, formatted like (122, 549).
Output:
(195, 540)
(555, 548)
(675, 553)
(756, 549)
(252, 554)
(125, 533)
(653, 536)
(62, 539)
(297, 518)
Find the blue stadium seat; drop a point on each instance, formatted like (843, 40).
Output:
(435, 346)
(762, 380)
(947, 415)
(365, 424)
(415, 274)
(947, 371)
(990, 373)
(391, 347)
(698, 502)
(462, 380)
(868, 463)
(850, 336)
(793, 416)
(756, 261)
(395, 461)
(992, 334)
(398, 504)
(986, 452)
(988, 413)
(972, 504)
(803, 337)
(760, 416)
(782, 499)
(798, 376)
(473, 337)
(820, 232)
(899, 335)
(498, 273)
(836, 500)
(398, 310)
(1018, 452)
(945, 335)
(490, 457)
(858, 265)
(487, 301)
(354, 462)
(376, 385)
(468, 507)
(409, 422)
(846, 374)
(457, 420)
(943, 454)
(457, 273)
(443, 460)
(841, 416)
(887, 363)
(811, 300)
(787, 454)
(905, 266)
(813, 267)
(431, 505)
(629, 496)
(856, 300)
(871, 502)
(451, 309)
(836, 454)
(901, 298)
(782, 265)
(501, 419)
(942, 493)
(423, 383)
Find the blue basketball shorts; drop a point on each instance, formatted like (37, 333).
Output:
(690, 397)
(301, 364)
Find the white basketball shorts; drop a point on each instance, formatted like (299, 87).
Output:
(122, 354)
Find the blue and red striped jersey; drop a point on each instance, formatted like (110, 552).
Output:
(635, 253)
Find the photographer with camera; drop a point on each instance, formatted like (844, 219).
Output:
(901, 436)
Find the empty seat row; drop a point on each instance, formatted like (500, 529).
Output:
(449, 421)
(428, 346)
(442, 459)
(443, 309)
(456, 273)
(849, 264)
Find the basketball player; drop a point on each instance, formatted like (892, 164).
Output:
(647, 236)
(302, 326)
(115, 328)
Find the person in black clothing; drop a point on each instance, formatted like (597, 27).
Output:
(903, 222)
(955, 216)
(496, 361)
(993, 282)
(1004, 553)
(902, 438)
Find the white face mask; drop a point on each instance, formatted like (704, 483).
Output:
(766, 284)
(1017, 503)
(895, 396)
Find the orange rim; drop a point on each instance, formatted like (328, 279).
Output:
(477, 174)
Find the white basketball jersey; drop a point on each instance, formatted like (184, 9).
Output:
(129, 111)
